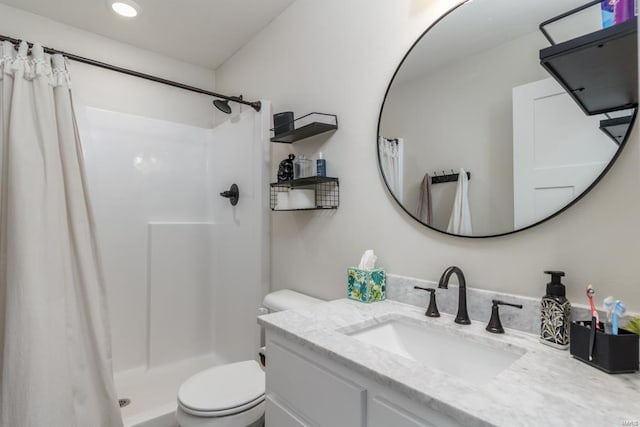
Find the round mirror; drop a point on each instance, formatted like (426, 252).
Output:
(491, 126)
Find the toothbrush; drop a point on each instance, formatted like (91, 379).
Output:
(608, 304)
(618, 310)
(594, 312)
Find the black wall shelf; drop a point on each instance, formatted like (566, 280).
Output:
(302, 182)
(598, 70)
(327, 192)
(616, 128)
(307, 126)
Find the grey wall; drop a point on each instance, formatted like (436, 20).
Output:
(338, 57)
(460, 115)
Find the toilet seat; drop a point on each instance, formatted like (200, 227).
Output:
(224, 390)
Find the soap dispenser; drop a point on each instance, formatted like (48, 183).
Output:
(554, 313)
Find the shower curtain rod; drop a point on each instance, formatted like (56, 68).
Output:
(255, 104)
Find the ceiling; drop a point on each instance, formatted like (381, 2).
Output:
(480, 25)
(202, 32)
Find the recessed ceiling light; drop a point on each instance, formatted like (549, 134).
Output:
(126, 8)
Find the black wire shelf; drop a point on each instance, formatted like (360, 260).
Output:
(326, 193)
(301, 182)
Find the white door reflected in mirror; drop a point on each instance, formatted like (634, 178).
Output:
(556, 153)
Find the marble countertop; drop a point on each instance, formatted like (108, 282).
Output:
(544, 386)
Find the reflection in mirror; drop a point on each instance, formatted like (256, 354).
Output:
(471, 95)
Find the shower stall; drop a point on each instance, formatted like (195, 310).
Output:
(185, 270)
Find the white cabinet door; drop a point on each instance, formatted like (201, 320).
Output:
(322, 397)
(307, 389)
(557, 150)
(384, 413)
(278, 416)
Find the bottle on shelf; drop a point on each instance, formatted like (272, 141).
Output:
(321, 165)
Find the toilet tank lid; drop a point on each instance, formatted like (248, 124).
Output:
(286, 299)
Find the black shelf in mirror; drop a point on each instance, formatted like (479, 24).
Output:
(598, 70)
(616, 128)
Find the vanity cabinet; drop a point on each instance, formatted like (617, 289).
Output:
(306, 388)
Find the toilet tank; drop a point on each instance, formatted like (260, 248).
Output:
(286, 299)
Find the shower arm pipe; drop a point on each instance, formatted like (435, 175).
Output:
(256, 105)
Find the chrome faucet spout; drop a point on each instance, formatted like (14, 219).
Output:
(462, 317)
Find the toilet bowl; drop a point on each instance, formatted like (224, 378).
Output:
(232, 395)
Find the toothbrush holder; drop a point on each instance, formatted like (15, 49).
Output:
(366, 285)
(614, 354)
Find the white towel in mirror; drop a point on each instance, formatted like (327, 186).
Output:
(460, 221)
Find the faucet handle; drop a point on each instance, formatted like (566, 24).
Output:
(432, 310)
(495, 326)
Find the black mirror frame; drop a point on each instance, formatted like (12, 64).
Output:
(573, 202)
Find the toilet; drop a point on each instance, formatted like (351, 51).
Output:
(232, 395)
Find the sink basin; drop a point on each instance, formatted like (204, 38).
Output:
(474, 362)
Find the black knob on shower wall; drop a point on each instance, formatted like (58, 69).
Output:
(233, 194)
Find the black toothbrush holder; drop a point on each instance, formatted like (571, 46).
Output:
(614, 354)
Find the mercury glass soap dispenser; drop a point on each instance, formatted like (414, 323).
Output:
(554, 313)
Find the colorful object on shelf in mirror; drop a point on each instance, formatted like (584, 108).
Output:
(607, 13)
(617, 11)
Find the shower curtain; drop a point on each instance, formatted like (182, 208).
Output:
(391, 163)
(55, 350)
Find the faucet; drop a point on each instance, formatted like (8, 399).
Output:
(463, 316)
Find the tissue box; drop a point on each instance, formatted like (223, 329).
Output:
(366, 285)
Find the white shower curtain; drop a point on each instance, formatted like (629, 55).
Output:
(391, 162)
(55, 350)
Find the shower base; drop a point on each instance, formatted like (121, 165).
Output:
(153, 392)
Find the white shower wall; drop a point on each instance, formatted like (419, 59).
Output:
(240, 235)
(161, 224)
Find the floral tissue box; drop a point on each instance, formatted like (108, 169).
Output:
(366, 285)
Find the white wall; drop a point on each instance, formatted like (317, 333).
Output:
(101, 88)
(338, 57)
(146, 179)
(237, 152)
(175, 253)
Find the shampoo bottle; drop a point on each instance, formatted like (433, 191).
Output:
(554, 313)
(321, 165)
